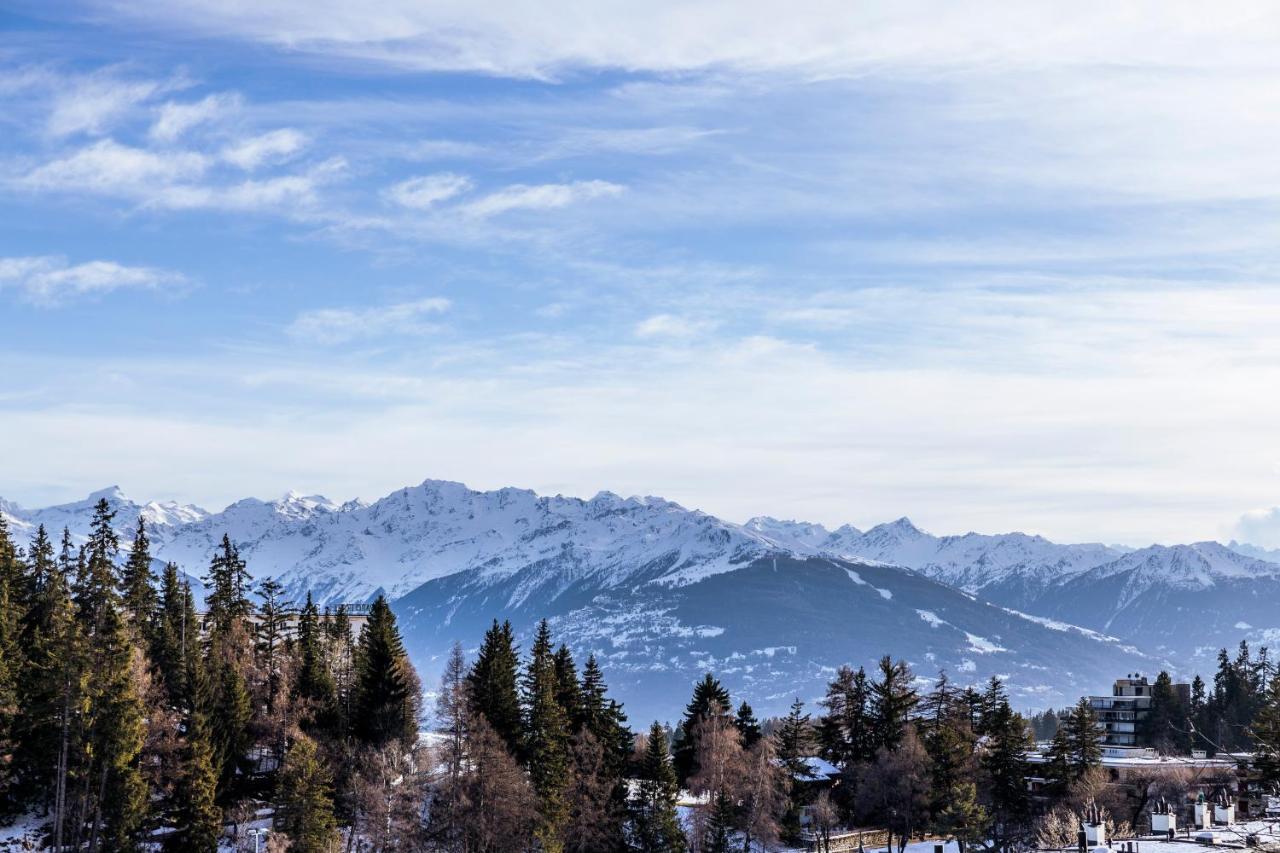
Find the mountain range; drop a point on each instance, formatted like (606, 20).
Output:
(662, 593)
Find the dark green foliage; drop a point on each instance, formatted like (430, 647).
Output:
(546, 738)
(1077, 747)
(49, 679)
(270, 637)
(11, 611)
(892, 701)
(1266, 735)
(229, 723)
(795, 746)
(198, 815)
(492, 686)
(138, 583)
(655, 823)
(709, 697)
(228, 583)
(176, 636)
(386, 698)
(305, 800)
(845, 733)
(748, 726)
(718, 837)
(568, 690)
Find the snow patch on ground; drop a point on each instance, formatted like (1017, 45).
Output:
(931, 617)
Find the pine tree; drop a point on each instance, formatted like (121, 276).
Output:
(568, 691)
(708, 696)
(11, 614)
(229, 720)
(655, 823)
(228, 583)
(795, 741)
(270, 630)
(962, 817)
(492, 686)
(748, 726)
(386, 696)
(95, 587)
(1077, 747)
(200, 819)
(1266, 736)
(1004, 773)
(718, 837)
(175, 620)
(137, 583)
(546, 740)
(892, 701)
(314, 684)
(306, 800)
(844, 733)
(118, 734)
(49, 679)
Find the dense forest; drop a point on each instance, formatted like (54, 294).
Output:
(130, 721)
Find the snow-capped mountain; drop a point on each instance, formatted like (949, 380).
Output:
(350, 552)
(1183, 600)
(662, 593)
(1011, 568)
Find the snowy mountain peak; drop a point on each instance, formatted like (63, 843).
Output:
(112, 494)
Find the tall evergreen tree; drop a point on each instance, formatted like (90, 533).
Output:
(11, 614)
(892, 701)
(568, 690)
(655, 823)
(1077, 747)
(1004, 774)
(199, 819)
(306, 800)
(271, 632)
(386, 695)
(845, 732)
(138, 583)
(546, 740)
(175, 620)
(795, 745)
(709, 696)
(718, 835)
(118, 731)
(50, 679)
(1266, 736)
(492, 686)
(228, 584)
(748, 726)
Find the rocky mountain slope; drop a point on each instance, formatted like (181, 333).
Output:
(662, 592)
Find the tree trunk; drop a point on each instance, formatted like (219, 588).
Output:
(97, 810)
(60, 795)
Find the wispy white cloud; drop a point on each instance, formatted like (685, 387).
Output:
(107, 166)
(428, 190)
(273, 147)
(820, 39)
(340, 325)
(173, 119)
(176, 180)
(669, 326)
(50, 280)
(540, 197)
(92, 104)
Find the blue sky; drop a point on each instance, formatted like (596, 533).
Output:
(992, 266)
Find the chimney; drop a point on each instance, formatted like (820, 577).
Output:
(1095, 830)
(1163, 820)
